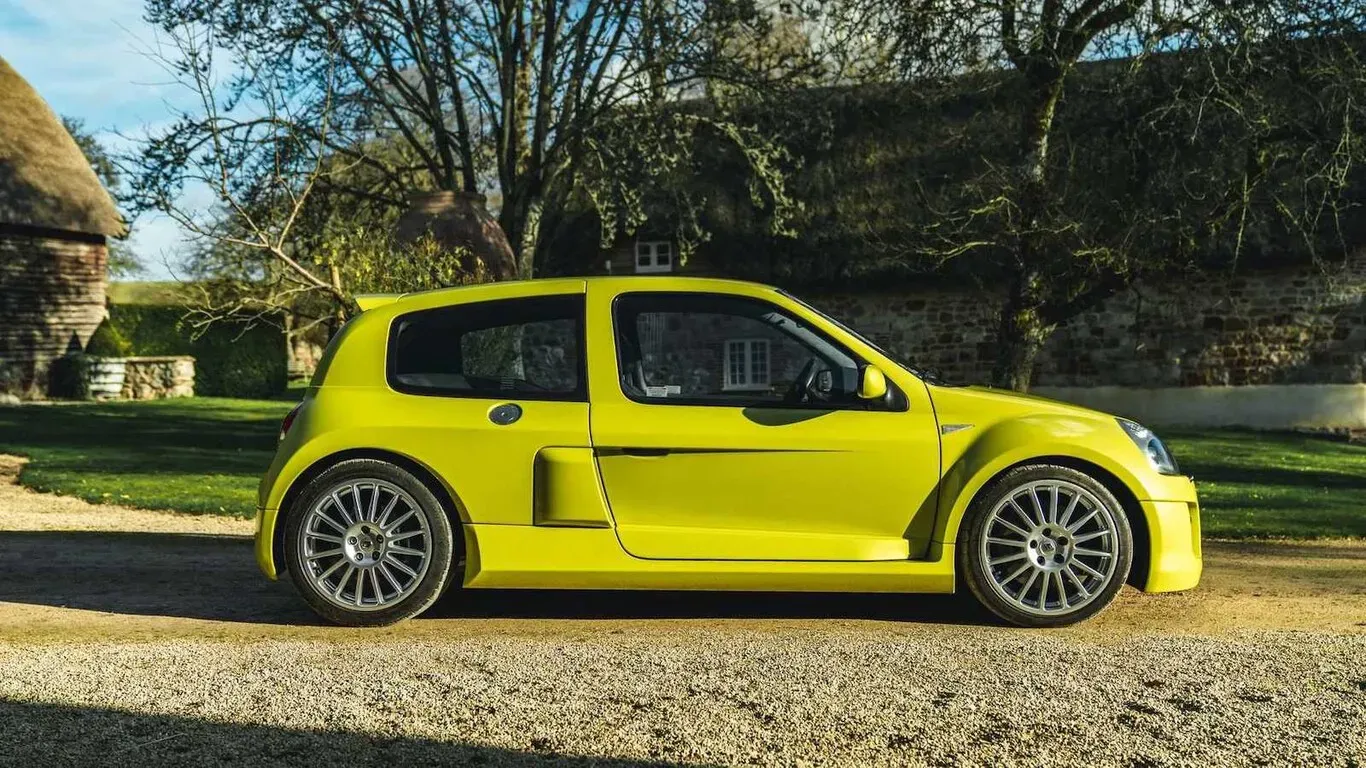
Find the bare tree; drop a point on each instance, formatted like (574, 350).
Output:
(243, 150)
(503, 94)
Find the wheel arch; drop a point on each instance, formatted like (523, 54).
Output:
(424, 474)
(1128, 500)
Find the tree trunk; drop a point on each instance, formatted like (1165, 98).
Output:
(1022, 334)
(1023, 329)
(531, 232)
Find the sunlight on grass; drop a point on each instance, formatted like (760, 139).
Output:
(202, 455)
(1255, 484)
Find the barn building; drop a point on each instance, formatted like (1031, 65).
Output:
(55, 221)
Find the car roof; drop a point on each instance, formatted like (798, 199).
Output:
(464, 293)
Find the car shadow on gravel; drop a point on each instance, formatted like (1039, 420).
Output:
(653, 604)
(47, 734)
(146, 574)
(215, 578)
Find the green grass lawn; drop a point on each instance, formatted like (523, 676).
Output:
(1258, 484)
(205, 455)
(202, 455)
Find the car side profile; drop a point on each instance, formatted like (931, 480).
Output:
(690, 433)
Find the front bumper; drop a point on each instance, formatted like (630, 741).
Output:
(1174, 538)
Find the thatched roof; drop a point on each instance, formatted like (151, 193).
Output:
(45, 181)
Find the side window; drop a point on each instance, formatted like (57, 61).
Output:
(524, 348)
(707, 349)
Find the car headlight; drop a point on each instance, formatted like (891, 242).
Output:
(1151, 446)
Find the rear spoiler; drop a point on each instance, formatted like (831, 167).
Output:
(369, 301)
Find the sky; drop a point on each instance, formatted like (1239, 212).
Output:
(88, 59)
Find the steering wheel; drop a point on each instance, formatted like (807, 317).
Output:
(801, 386)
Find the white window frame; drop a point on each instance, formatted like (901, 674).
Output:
(658, 255)
(749, 378)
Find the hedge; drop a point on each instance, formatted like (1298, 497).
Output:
(231, 360)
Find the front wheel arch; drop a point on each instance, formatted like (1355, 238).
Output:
(454, 511)
(985, 526)
(1133, 511)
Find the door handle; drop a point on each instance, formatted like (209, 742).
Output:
(645, 452)
(505, 413)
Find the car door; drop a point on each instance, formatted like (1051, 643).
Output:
(707, 450)
(491, 391)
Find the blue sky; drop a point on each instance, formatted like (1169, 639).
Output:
(87, 59)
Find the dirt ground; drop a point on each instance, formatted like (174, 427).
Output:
(142, 638)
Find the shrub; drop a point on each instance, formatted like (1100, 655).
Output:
(107, 341)
(231, 359)
(67, 377)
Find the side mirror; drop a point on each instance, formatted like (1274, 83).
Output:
(824, 383)
(872, 384)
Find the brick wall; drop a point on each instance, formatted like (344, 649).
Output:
(51, 288)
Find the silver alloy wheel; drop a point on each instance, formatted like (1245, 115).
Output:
(1050, 547)
(366, 545)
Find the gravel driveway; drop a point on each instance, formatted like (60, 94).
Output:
(135, 638)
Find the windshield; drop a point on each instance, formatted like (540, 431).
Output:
(920, 373)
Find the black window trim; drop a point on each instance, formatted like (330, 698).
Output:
(895, 402)
(579, 395)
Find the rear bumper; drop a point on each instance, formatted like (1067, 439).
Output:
(1174, 531)
(265, 542)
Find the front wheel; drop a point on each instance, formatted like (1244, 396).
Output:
(1045, 546)
(367, 544)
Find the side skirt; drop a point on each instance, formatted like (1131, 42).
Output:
(535, 557)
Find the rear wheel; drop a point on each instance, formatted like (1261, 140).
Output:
(1045, 546)
(367, 544)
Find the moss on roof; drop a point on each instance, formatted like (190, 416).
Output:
(45, 181)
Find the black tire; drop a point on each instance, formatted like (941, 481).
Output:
(978, 573)
(432, 582)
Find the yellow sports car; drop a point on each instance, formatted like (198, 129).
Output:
(688, 433)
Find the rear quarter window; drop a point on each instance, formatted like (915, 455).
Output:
(513, 348)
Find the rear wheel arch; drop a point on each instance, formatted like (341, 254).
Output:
(454, 510)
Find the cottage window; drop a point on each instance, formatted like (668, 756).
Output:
(716, 350)
(654, 256)
(747, 364)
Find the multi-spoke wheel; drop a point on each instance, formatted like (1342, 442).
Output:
(1045, 545)
(368, 544)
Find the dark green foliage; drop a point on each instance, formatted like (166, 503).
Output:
(108, 341)
(231, 359)
(67, 377)
(900, 183)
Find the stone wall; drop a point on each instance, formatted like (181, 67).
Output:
(154, 378)
(1291, 327)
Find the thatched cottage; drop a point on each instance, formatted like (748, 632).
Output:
(55, 220)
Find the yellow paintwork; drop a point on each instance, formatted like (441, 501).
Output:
(874, 384)
(624, 494)
(369, 301)
(568, 491)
